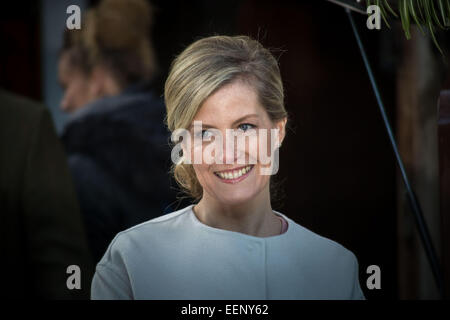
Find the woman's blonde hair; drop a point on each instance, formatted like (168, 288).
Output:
(204, 67)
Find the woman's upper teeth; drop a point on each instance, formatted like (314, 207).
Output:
(234, 174)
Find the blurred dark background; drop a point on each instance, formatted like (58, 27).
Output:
(337, 166)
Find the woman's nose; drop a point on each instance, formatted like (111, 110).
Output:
(229, 148)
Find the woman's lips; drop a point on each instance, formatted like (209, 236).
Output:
(235, 175)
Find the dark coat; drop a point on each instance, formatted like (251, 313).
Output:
(119, 156)
(41, 226)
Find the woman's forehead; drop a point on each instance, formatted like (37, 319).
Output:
(230, 103)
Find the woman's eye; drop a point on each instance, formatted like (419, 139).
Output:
(206, 134)
(246, 126)
(203, 135)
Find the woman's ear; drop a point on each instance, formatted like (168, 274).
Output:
(281, 126)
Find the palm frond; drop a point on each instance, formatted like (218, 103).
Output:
(428, 15)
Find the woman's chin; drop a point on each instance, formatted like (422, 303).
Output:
(236, 197)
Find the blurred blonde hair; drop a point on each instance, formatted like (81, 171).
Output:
(203, 68)
(117, 35)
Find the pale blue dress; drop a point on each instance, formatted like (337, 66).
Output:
(176, 256)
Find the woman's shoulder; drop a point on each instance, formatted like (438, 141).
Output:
(156, 229)
(161, 222)
(317, 245)
(321, 257)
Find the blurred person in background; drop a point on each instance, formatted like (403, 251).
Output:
(116, 140)
(41, 227)
(73, 73)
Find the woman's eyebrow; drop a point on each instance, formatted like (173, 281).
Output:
(207, 126)
(252, 115)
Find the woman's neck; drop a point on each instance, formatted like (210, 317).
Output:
(254, 217)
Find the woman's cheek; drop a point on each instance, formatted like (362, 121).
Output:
(253, 150)
(196, 154)
(264, 152)
(200, 173)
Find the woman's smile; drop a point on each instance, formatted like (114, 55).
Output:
(234, 175)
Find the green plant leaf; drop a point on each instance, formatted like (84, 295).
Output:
(421, 12)
(429, 15)
(404, 16)
(415, 16)
(447, 4)
(386, 4)
(442, 10)
(431, 28)
(383, 12)
(435, 15)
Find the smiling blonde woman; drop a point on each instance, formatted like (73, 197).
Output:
(229, 244)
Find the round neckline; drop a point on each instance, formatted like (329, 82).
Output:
(240, 234)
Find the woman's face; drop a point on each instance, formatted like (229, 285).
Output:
(75, 85)
(239, 177)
